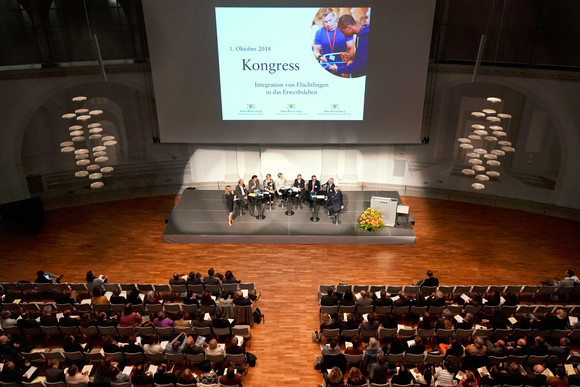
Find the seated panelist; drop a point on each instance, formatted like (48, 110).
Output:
(270, 188)
(253, 187)
(328, 187)
(334, 203)
(300, 184)
(313, 187)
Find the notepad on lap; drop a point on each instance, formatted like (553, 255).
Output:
(88, 368)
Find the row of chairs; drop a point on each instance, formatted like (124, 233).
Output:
(117, 308)
(573, 310)
(456, 290)
(176, 290)
(132, 358)
(43, 383)
(462, 334)
(91, 331)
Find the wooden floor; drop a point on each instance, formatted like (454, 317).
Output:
(462, 243)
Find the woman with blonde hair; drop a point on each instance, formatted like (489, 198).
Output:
(229, 194)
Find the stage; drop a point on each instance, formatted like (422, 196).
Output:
(201, 217)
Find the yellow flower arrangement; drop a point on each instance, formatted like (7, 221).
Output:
(370, 220)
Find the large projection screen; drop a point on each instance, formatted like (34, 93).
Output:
(248, 72)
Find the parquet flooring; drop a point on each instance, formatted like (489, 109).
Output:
(462, 243)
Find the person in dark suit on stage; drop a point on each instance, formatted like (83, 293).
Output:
(229, 194)
(328, 187)
(313, 188)
(241, 193)
(299, 183)
(334, 203)
(253, 187)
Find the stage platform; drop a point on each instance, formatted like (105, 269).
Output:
(201, 217)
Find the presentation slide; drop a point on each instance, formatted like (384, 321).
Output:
(289, 72)
(293, 68)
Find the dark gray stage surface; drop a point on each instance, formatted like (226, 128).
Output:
(201, 217)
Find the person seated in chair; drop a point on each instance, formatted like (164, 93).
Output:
(253, 187)
(313, 189)
(334, 204)
(299, 183)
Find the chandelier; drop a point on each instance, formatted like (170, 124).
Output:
(486, 144)
(90, 153)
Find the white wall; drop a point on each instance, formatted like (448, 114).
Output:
(34, 106)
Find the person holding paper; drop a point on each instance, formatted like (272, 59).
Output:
(116, 298)
(177, 279)
(403, 377)
(235, 348)
(193, 346)
(151, 345)
(11, 373)
(93, 281)
(74, 376)
(67, 321)
(231, 378)
(363, 299)
(357, 67)
(141, 377)
(164, 377)
(46, 277)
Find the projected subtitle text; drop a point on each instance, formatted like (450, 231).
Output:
(297, 88)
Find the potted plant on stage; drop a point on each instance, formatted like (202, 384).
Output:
(370, 220)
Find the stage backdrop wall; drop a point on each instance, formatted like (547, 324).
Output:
(29, 144)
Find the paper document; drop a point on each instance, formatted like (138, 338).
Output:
(127, 370)
(28, 374)
(240, 340)
(483, 371)
(88, 368)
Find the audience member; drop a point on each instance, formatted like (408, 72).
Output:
(73, 375)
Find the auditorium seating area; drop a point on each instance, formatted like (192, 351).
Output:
(220, 311)
(497, 335)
